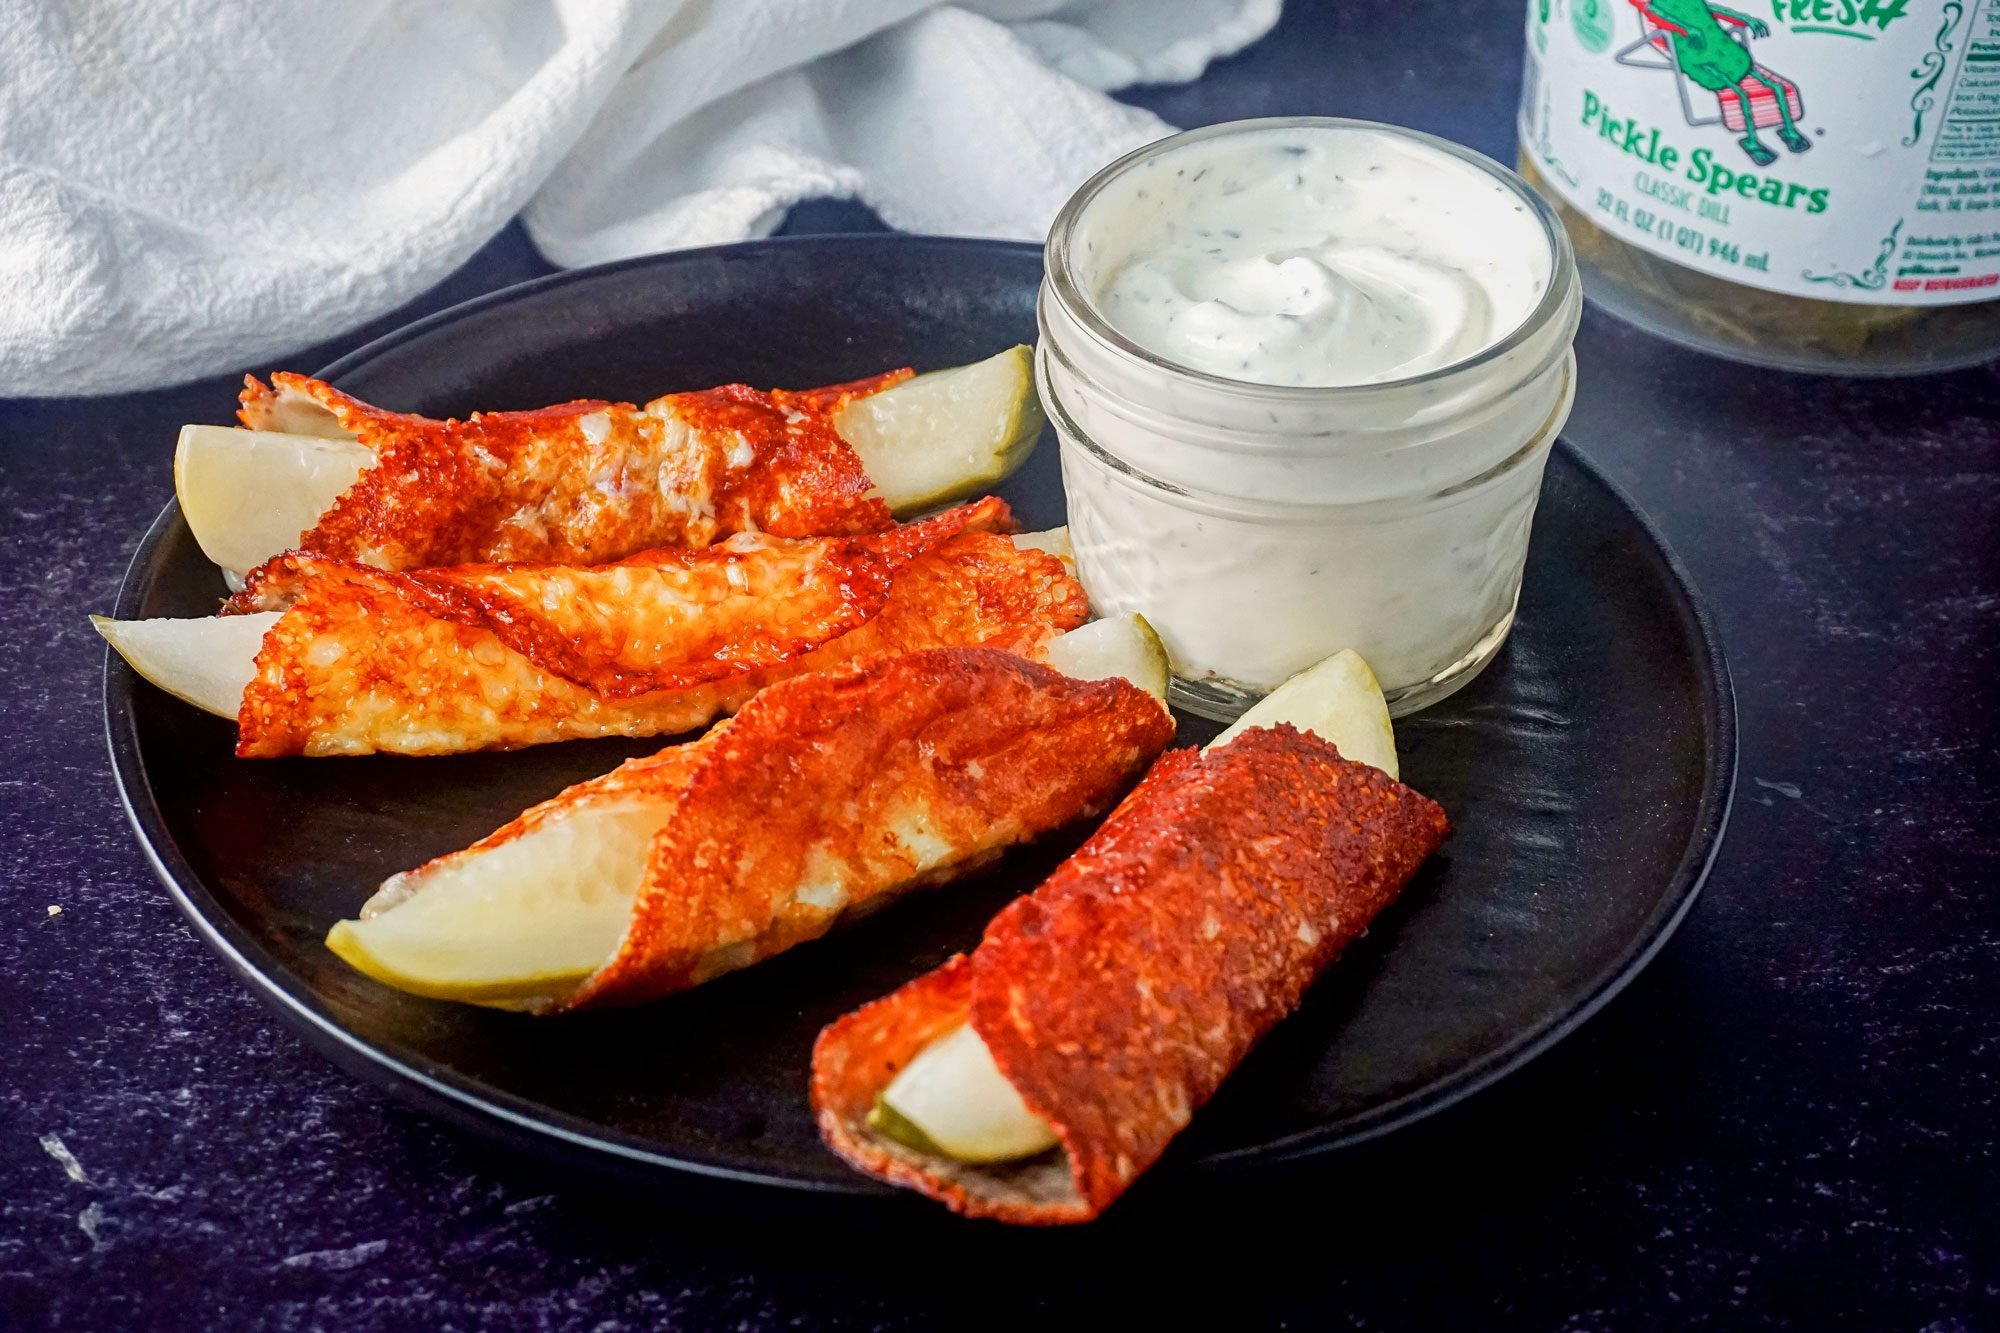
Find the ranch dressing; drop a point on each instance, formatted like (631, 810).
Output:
(1306, 374)
(1320, 259)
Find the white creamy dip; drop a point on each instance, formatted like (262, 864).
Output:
(1306, 374)
(1344, 257)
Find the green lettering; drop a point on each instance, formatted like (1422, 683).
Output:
(1882, 13)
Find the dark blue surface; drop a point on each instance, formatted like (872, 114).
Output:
(1789, 1120)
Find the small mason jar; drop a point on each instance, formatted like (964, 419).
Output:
(1260, 528)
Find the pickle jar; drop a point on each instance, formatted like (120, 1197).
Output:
(1810, 186)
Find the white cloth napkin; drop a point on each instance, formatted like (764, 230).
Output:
(187, 186)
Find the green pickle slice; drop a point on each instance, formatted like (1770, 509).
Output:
(892, 1124)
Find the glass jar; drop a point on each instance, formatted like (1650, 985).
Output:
(1260, 528)
(1806, 187)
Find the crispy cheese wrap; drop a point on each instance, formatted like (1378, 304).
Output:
(363, 661)
(585, 482)
(658, 620)
(825, 797)
(1117, 997)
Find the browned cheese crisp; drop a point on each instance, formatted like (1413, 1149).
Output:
(1118, 996)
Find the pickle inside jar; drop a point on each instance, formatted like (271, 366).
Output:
(1756, 325)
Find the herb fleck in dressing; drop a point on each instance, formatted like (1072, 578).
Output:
(1316, 258)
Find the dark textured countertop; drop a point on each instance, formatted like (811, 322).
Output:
(1789, 1120)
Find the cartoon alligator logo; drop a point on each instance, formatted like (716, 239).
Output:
(1689, 38)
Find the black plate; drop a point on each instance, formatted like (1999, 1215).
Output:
(1588, 774)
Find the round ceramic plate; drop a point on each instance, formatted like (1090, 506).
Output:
(1587, 773)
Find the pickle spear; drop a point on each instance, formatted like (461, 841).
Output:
(1337, 700)
(952, 1100)
(250, 494)
(525, 922)
(948, 434)
(207, 662)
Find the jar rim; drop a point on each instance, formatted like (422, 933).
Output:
(1556, 297)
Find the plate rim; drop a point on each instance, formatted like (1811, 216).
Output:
(497, 1114)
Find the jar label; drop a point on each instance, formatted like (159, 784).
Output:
(1847, 150)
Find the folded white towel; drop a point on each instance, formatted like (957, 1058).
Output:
(191, 186)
